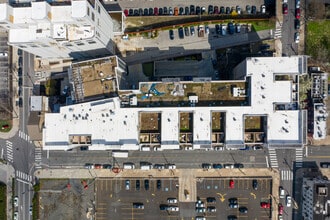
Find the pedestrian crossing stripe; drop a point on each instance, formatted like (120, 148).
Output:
(24, 136)
(37, 157)
(286, 175)
(23, 176)
(9, 151)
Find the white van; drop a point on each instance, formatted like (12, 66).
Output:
(129, 166)
(145, 148)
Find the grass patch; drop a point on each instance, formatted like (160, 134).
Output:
(318, 42)
(3, 201)
(262, 25)
(5, 126)
(148, 69)
(35, 202)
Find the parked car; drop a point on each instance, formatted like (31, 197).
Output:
(146, 184)
(171, 33)
(238, 165)
(89, 166)
(16, 215)
(231, 28)
(186, 31)
(217, 29)
(248, 9)
(223, 30)
(172, 200)
(163, 207)
(231, 184)
(211, 209)
(253, 9)
(263, 9)
(155, 11)
(285, 8)
(296, 37)
(281, 192)
(138, 205)
(98, 166)
(288, 201)
(297, 13)
(243, 210)
(16, 201)
(170, 11)
(207, 29)
(222, 10)
(216, 10)
(160, 11)
(265, 205)
(217, 166)
(106, 166)
(210, 200)
(127, 184)
(130, 12)
(238, 10)
(200, 209)
(198, 10)
(280, 209)
(238, 28)
(206, 166)
(227, 10)
(297, 3)
(192, 30)
(325, 165)
(176, 11)
(151, 11)
(296, 24)
(137, 184)
(233, 205)
(170, 166)
(159, 184)
(228, 166)
(173, 208)
(232, 200)
(231, 217)
(255, 184)
(186, 11)
(192, 9)
(145, 12)
(159, 166)
(136, 12)
(165, 10)
(210, 10)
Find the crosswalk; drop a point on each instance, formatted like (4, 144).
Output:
(9, 146)
(299, 157)
(23, 177)
(273, 158)
(37, 157)
(286, 175)
(24, 136)
(278, 33)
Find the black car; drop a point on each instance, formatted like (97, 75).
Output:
(232, 200)
(186, 10)
(20, 73)
(210, 199)
(159, 184)
(145, 12)
(217, 166)
(140, 11)
(151, 11)
(210, 11)
(181, 10)
(217, 29)
(160, 11)
(227, 10)
(84, 148)
(222, 10)
(136, 12)
(138, 205)
(20, 61)
(130, 12)
(20, 81)
(137, 184)
(254, 10)
(171, 33)
(325, 165)
(146, 184)
(231, 28)
(20, 102)
(163, 207)
(165, 10)
(296, 24)
(238, 165)
(106, 166)
(243, 210)
(186, 31)
(255, 184)
(231, 217)
(181, 34)
(192, 9)
(198, 10)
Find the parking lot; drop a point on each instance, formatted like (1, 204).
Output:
(115, 198)
(242, 189)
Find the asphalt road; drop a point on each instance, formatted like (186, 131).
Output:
(182, 159)
(289, 47)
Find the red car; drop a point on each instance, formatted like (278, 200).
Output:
(155, 11)
(280, 209)
(98, 166)
(285, 8)
(231, 184)
(298, 13)
(265, 205)
(126, 12)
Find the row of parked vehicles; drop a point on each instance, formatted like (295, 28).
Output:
(297, 17)
(194, 10)
(220, 166)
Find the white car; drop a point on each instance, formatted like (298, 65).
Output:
(297, 3)
(170, 166)
(173, 208)
(30, 210)
(288, 201)
(172, 200)
(296, 37)
(3, 54)
(16, 201)
(263, 9)
(16, 215)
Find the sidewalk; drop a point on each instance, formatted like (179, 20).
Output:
(7, 173)
(15, 113)
(187, 177)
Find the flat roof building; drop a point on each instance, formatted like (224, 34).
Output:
(63, 29)
(261, 108)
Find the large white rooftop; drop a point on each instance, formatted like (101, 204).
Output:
(114, 127)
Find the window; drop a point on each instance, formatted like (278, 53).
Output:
(80, 43)
(39, 31)
(93, 16)
(99, 9)
(88, 11)
(92, 42)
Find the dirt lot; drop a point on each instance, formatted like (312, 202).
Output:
(59, 201)
(150, 121)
